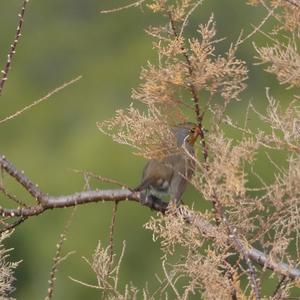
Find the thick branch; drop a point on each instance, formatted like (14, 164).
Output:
(281, 268)
(22, 179)
(51, 202)
(254, 254)
(116, 195)
(238, 245)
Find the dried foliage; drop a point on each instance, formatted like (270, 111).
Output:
(211, 73)
(107, 273)
(207, 254)
(184, 66)
(136, 129)
(282, 58)
(7, 269)
(283, 124)
(247, 213)
(286, 13)
(200, 271)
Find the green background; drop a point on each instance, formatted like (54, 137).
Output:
(62, 39)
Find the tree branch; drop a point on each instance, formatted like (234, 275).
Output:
(193, 90)
(46, 202)
(20, 177)
(13, 46)
(294, 2)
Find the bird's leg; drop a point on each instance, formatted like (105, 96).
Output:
(176, 202)
(150, 200)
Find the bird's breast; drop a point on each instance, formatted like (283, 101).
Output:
(160, 185)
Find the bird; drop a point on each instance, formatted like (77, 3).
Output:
(170, 175)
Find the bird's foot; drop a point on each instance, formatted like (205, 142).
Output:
(153, 202)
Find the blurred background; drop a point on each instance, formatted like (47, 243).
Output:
(62, 39)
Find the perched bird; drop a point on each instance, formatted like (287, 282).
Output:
(170, 175)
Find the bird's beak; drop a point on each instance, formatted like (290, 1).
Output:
(194, 135)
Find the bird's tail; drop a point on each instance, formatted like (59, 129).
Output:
(143, 186)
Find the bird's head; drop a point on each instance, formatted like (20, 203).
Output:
(188, 132)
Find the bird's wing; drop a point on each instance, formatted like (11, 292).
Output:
(155, 174)
(184, 169)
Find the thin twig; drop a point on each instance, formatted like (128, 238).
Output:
(57, 259)
(101, 178)
(12, 197)
(256, 28)
(111, 235)
(134, 4)
(41, 99)
(85, 284)
(111, 244)
(282, 282)
(170, 281)
(13, 46)
(9, 227)
(119, 265)
(188, 16)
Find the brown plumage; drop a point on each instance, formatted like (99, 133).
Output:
(171, 174)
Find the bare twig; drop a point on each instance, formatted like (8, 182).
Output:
(58, 89)
(8, 227)
(185, 22)
(170, 280)
(134, 4)
(86, 284)
(111, 234)
(278, 290)
(256, 28)
(100, 178)
(13, 46)
(11, 197)
(57, 259)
